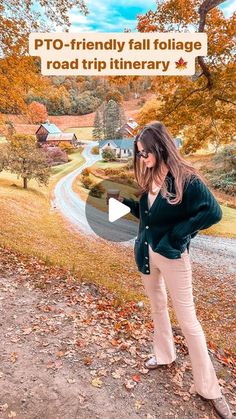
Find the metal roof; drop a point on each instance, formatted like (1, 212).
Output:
(123, 143)
(51, 128)
(132, 124)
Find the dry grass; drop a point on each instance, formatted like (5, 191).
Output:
(82, 133)
(28, 225)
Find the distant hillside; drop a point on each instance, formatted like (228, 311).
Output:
(131, 108)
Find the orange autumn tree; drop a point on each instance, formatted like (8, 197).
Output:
(20, 72)
(202, 107)
(37, 113)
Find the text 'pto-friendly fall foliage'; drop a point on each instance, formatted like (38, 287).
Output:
(118, 53)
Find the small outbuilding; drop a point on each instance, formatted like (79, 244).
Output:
(45, 129)
(128, 129)
(123, 147)
(65, 137)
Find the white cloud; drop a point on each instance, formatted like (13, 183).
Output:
(105, 16)
(228, 8)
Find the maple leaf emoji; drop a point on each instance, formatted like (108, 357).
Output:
(181, 64)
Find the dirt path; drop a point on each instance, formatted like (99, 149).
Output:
(67, 351)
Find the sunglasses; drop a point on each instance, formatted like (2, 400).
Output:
(143, 154)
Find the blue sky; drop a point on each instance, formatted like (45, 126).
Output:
(116, 15)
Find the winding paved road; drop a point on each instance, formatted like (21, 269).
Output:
(73, 207)
(216, 254)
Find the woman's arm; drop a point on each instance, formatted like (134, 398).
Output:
(202, 211)
(132, 204)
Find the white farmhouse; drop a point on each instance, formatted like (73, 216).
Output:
(123, 147)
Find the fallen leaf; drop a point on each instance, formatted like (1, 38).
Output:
(14, 357)
(3, 407)
(11, 414)
(27, 331)
(60, 354)
(144, 371)
(136, 378)
(87, 360)
(116, 374)
(138, 404)
(71, 380)
(96, 382)
(129, 384)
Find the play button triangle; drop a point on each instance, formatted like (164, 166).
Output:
(116, 210)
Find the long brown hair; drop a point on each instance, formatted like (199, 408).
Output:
(156, 139)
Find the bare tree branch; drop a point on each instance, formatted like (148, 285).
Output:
(225, 100)
(184, 99)
(205, 7)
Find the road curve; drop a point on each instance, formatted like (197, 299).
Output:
(216, 254)
(73, 207)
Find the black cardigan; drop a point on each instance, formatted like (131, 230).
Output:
(169, 228)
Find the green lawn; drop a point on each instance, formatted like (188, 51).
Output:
(227, 226)
(82, 133)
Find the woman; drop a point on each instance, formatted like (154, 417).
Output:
(175, 204)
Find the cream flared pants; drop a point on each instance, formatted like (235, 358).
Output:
(176, 275)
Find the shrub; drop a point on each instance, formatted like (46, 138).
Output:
(224, 176)
(97, 190)
(55, 155)
(86, 172)
(65, 145)
(227, 157)
(225, 182)
(130, 164)
(108, 171)
(108, 154)
(86, 182)
(95, 150)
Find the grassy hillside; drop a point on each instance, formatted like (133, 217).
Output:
(29, 225)
(82, 133)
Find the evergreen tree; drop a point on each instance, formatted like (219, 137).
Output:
(121, 121)
(98, 127)
(113, 118)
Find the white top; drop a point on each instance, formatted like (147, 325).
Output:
(152, 197)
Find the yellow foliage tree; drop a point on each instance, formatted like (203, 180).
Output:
(26, 160)
(202, 107)
(20, 72)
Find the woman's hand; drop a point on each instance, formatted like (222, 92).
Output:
(120, 198)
